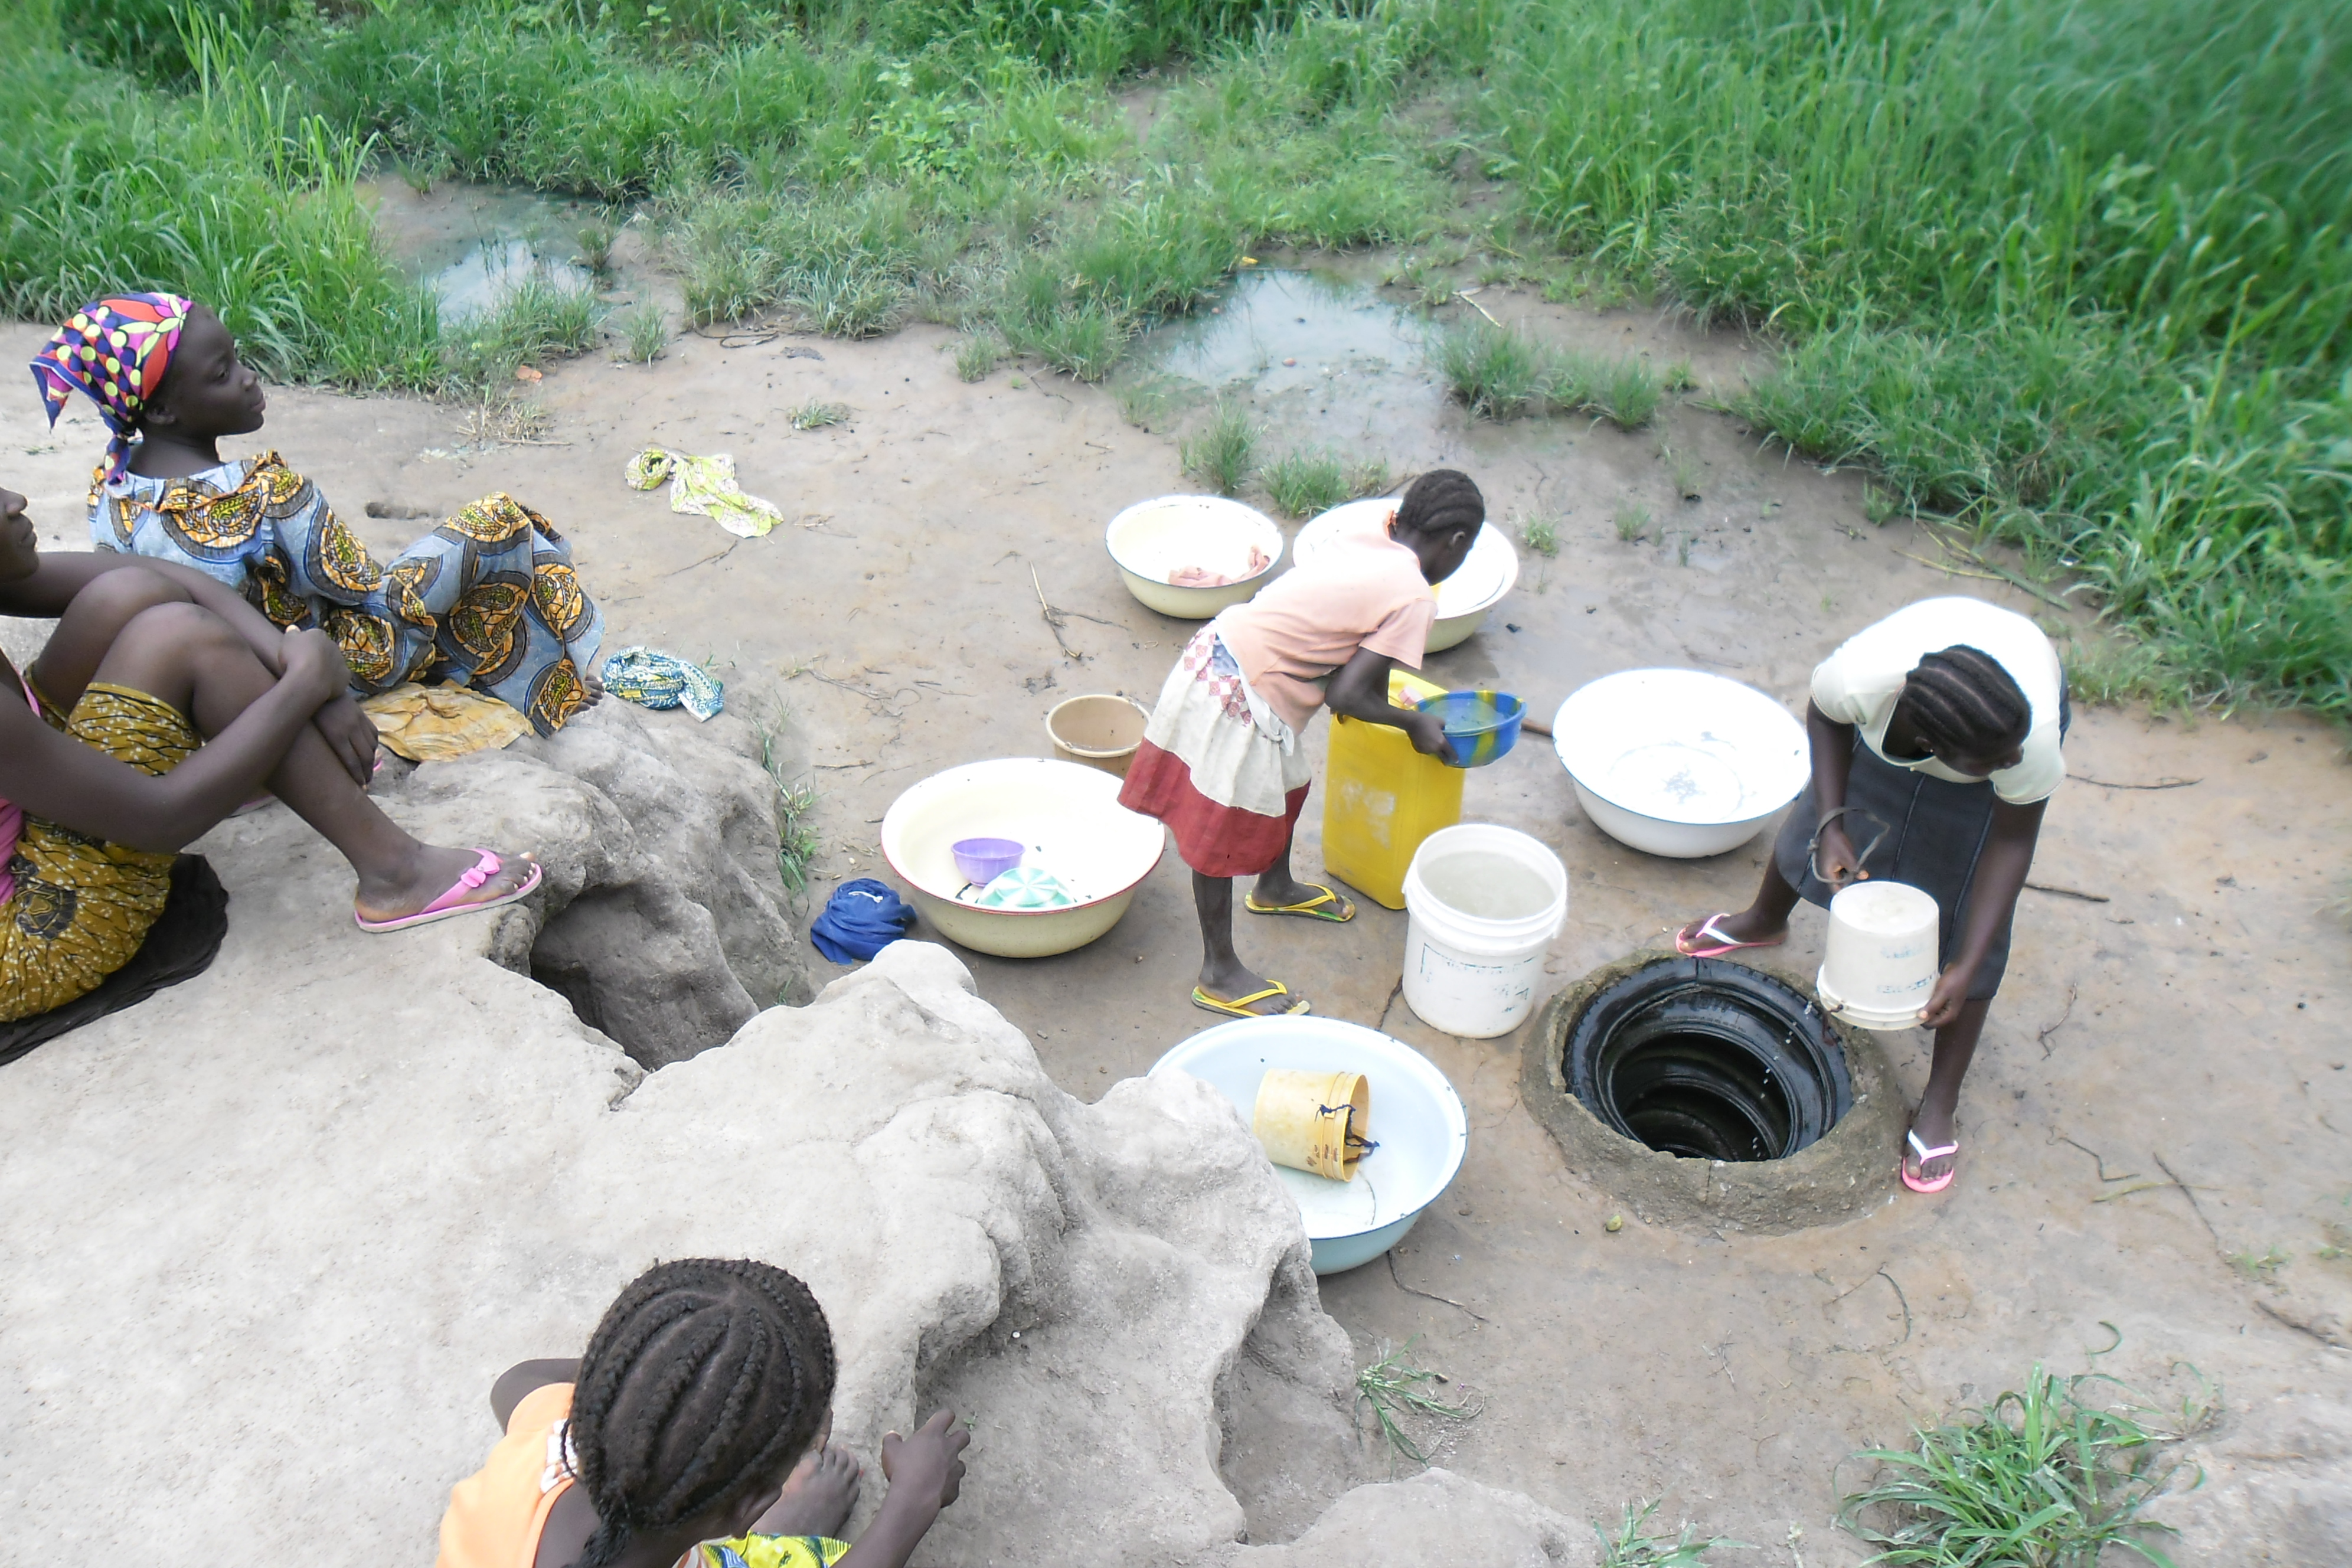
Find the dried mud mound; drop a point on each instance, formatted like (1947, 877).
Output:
(271, 1235)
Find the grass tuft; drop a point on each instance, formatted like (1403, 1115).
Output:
(536, 320)
(644, 331)
(1307, 481)
(1540, 533)
(1633, 1546)
(2045, 1477)
(1632, 520)
(1222, 454)
(1504, 373)
(977, 356)
(1398, 1395)
(817, 413)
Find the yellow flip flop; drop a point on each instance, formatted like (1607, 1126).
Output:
(1239, 1007)
(1310, 909)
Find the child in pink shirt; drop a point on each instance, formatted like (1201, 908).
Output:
(1220, 762)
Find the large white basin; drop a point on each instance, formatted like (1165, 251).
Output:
(1462, 599)
(1417, 1120)
(1154, 539)
(1068, 817)
(1677, 762)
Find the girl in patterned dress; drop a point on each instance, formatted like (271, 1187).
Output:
(488, 599)
(693, 1433)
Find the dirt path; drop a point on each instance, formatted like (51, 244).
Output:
(2187, 1023)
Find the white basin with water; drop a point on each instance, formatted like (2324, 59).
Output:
(1068, 817)
(1417, 1120)
(1677, 762)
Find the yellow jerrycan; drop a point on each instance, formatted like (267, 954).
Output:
(1382, 798)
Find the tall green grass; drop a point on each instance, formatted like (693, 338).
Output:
(2080, 273)
(231, 194)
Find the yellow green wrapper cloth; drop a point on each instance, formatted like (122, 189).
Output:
(703, 486)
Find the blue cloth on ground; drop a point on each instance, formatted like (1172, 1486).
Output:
(860, 920)
(652, 679)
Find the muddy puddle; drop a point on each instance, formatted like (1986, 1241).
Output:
(1317, 354)
(472, 245)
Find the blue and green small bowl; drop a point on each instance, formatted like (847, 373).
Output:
(1480, 725)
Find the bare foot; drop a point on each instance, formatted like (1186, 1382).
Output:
(435, 872)
(817, 1498)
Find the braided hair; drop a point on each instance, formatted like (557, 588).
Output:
(1963, 703)
(705, 1378)
(1440, 501)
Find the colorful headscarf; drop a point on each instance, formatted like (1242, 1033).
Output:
(115, 351)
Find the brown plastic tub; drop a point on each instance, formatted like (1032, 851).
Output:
(1101, 732)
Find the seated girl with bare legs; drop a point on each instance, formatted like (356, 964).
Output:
(162, 701)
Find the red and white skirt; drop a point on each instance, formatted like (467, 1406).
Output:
(1222, 769)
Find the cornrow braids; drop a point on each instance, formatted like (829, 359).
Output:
(1962, 702)
(1440, 501)
(707, 1375)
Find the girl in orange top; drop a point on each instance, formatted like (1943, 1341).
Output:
(691, 1435)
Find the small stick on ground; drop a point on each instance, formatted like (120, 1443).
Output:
(1429, 1295)
(1464, 295)
(2067, 892)
(2097, 1160)
(2160, 784)
(1057, 618)
(2043, 1037)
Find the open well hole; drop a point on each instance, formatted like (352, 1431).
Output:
(1726, 1063)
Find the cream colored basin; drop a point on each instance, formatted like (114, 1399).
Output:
(1068, 817)
(1152, 539)
(1462, 599)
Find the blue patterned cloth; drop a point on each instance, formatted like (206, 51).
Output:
(488, 599)
(652, 679)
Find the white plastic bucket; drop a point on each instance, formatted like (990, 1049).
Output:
(1880, 965)
(1484, 902)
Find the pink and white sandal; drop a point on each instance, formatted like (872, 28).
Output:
(453, 902)
(1920, 1183)
(1708, 931)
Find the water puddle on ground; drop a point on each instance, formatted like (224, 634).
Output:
(1319, 355)
(474, 243)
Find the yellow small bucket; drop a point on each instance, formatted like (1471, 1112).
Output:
(1320, 1122)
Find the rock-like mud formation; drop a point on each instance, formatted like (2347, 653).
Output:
(271, 1235)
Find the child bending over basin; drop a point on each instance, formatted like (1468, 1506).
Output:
(162, 700)
(1222, 763)
(1939, 728)
(692, 1434)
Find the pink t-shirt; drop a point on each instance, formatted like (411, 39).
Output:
(1363, 591)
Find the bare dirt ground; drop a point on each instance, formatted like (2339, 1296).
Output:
(2164, 1087)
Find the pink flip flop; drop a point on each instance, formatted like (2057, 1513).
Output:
(453, 902)
(1710, 932)
(1920, 1184)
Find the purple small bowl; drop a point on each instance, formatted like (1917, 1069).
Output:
(982, 860)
